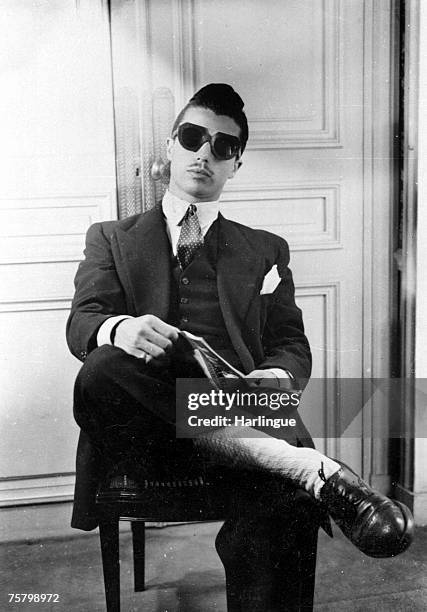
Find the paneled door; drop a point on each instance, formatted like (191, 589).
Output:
(317, 77)
(57, 178)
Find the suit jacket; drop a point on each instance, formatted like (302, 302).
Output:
(127, 270)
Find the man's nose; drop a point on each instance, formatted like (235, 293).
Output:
(204, 153)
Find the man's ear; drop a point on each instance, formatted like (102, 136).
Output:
(169, 145)
(236, 166)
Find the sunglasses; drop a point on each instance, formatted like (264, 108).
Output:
(192, 137)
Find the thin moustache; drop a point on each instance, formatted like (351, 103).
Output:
(201, 170)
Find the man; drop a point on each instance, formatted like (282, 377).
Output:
(183, 266)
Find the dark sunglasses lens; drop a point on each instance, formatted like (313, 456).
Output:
(190, 137)
(225, 147)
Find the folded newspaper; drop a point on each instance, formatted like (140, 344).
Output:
(212, 364)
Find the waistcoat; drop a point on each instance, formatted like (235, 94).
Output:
(194, 305)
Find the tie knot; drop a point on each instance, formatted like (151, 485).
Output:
(189, 213)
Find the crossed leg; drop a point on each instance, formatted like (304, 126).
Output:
(123, 404)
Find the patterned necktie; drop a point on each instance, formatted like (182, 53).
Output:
(190, 238)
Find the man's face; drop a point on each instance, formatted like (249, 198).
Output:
(198, 176)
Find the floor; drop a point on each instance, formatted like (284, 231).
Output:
(184, 574)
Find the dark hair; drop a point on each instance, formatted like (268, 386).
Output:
(222, 100)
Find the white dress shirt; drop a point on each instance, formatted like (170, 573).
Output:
(174, 210)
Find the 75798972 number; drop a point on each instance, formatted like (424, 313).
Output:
(33, 597)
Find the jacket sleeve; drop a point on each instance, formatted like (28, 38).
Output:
(284, 342)
(98, 295)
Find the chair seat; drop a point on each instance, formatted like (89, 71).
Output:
(181, 499)
(123, 484)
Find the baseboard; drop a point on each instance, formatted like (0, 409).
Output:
(420, 508)
(404, 495)
(53, 488)
(417, 502)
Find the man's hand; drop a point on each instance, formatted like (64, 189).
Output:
(146, 337)
(267, 378)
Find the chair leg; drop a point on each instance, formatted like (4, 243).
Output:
(109, 536)
(138, 540)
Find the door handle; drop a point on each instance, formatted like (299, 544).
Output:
(158, 169)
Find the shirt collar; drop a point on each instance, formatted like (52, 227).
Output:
(174, 209)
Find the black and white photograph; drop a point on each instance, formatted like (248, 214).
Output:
(213, 305)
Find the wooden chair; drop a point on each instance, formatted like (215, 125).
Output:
(193, 499)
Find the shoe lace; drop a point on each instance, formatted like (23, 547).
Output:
(321, 472)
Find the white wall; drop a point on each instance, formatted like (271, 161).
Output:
(57, 176)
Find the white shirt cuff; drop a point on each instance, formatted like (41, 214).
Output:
(104, 332)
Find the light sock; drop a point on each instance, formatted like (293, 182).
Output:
(303, 465)
(231, 447)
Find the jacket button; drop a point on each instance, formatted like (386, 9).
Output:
(184, 320)
(184, 300)
(185, 280)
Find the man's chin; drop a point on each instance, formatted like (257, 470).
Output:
(199, 192)
(194, 190)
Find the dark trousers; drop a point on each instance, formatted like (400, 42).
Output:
(128, 410)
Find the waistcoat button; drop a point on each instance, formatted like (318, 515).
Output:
(184, 300)
(185, 280)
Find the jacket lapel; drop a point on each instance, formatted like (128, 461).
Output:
(237, 276)
(145, 252)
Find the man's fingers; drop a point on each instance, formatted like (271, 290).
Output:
(131, 350)
(165, 330)
(160, 360)
(146, 333)
(260, 374)
(157, 331)
(151, 337)
(262, 378)
(151, 349)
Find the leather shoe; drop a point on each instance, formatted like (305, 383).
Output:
(377, 525)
